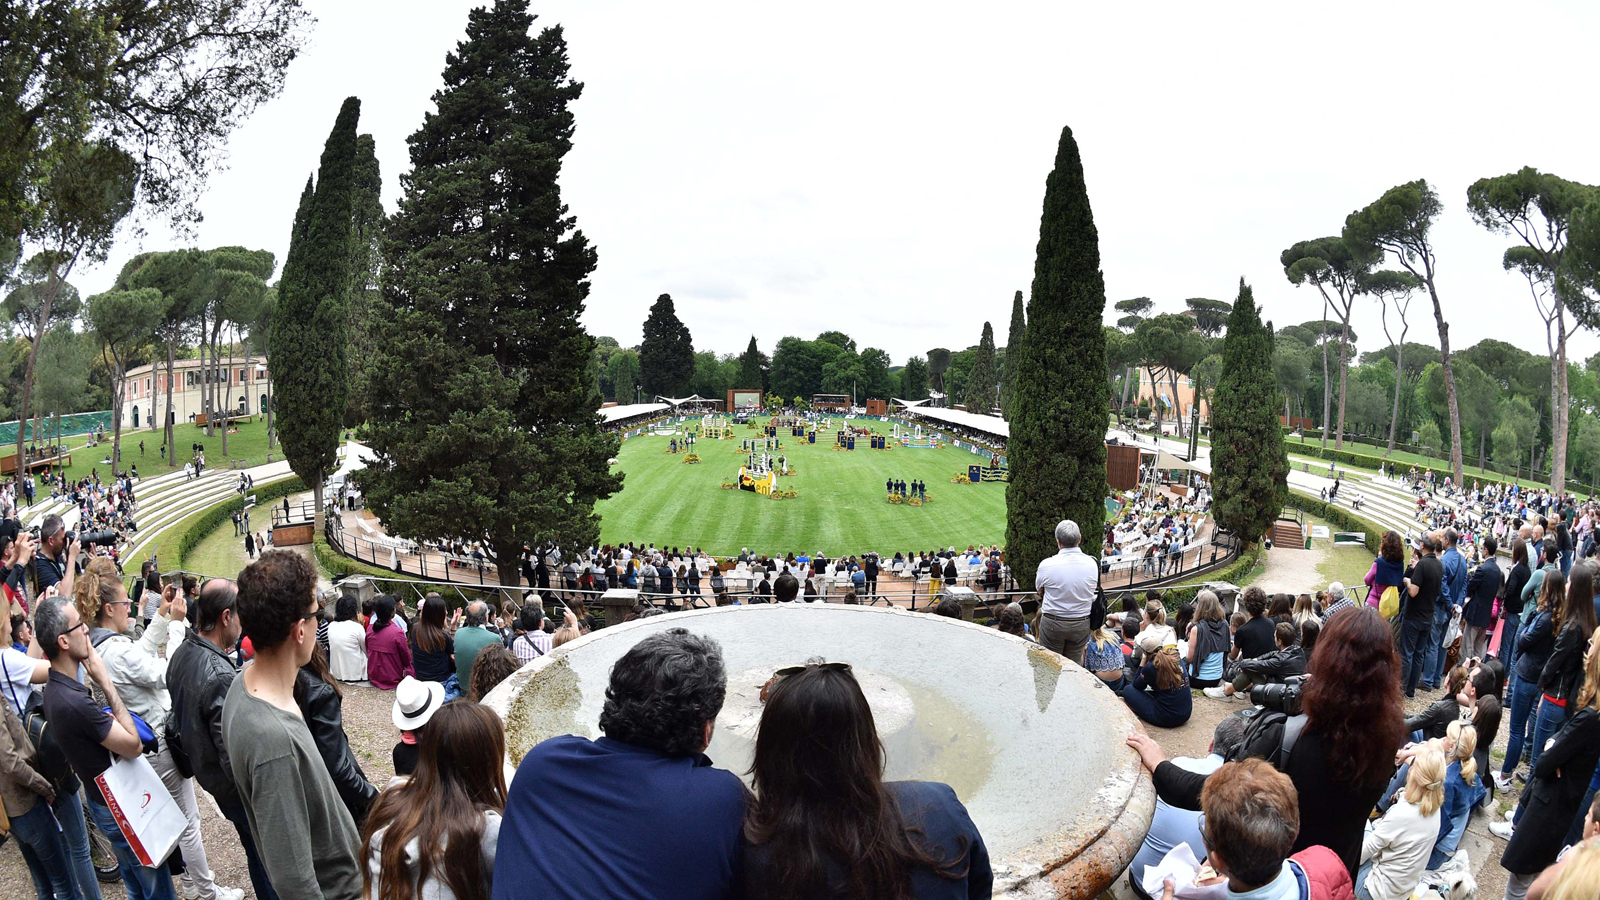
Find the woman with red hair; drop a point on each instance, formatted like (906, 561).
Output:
(1354, 723)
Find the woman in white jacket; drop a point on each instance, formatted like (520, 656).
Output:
(1394, 852)
(140, 674)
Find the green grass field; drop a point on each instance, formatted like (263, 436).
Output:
(841, 509)
(250, 445)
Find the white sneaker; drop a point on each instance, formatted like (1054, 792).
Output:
(1501, 830)
(1217, 693)
(1511, 814)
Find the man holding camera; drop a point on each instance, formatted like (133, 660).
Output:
(56, 560)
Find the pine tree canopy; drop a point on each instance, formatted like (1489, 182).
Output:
(484, 417)
(1250, 465)
(666, 355)
(1058, 427)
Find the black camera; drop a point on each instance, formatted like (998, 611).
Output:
(89, 539)
(1284, 696)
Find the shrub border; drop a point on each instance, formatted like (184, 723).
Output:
(182, 536)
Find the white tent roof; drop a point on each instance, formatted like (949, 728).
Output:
(628, 411)
(987, 424)
(907, 403)
(679, 401)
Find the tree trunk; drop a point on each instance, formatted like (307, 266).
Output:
(1327, 393)
(1449, 378)
(1344, 371)
(1394, 415)
(1560, 415)
(318, 531)
(227, 398)
(172, 361)
(1172, 378)
(116, 414)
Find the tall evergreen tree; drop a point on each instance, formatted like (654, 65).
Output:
(308, 338)
(914, 379)
(368, 311)
(666, 356)
(1058, 429)
(1250, 465)
(981, 381)
(752, 365)
(484, 418)
(1015, 341)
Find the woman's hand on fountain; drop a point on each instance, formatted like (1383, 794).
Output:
(1150, 752)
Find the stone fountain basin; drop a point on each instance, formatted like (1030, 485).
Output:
(1033, 744)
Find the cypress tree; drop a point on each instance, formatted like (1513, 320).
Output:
(666, 355)
(981, 380)
(1058, 428)
(1014, 344)
(484, 417)
(308, 340)
(751, 365)
(1250, 465)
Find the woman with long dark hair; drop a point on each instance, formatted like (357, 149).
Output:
(434, 837)
(321, 704)
(1355, 721)
(388, 653)
(824, 823)
(1388, 569)
(1562, 675)
(432, 650)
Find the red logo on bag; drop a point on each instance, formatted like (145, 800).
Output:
(146, 801)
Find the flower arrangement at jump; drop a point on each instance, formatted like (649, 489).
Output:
(961, 479)
(914, 501)
(692, 458)
(785, 495)
(896, 499)
(728, 485)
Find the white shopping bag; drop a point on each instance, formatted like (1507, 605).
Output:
(145, 812)
(1181, 865)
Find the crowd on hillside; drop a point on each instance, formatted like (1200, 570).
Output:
(1319, 787)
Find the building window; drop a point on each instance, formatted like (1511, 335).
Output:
(241, 377)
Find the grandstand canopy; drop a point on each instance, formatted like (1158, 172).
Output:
(907, 403)
(617, 413)
(987, 424)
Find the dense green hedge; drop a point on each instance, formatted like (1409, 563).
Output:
(339, 566)
(1236, 572)
(183, 536)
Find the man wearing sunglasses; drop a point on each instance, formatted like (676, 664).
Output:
(304, 833)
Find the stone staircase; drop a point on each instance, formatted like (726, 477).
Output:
(1288, 535)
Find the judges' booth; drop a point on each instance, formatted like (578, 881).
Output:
(1122, 467)
(879, 408)
(831, 402)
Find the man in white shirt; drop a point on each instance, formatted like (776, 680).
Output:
(1066, 585)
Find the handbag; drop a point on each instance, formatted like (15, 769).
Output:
(1389, 602)
(144, 810)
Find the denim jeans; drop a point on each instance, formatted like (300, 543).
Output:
(1566, 562)
(1524, 695)
(235, 812)
(44, 848)
(141, 882)
(1551, 718)
(1434, 659)
(1413, 652)
(1575, 833)
(75, 831)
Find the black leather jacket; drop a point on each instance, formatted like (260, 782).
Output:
(198, 677)
(321, 706)
(1275, 666)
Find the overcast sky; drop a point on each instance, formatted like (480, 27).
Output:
(879, 168)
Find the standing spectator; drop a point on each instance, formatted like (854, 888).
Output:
(1453, 590)
(1483, 585)
(454, 800)
(1511, 606)
(649, 771)
(19, 672)
(347, 642)
(28, 799)
(322, 704)
(1535, 641)
(1562, 677)
(140, 673)
(1422, 591)
(1556, 788)
(824, 823)
(200, 674)
(1388, 569)
(471, 638)
(88, 735)
(1066, 585)
(56, 559)
(305, 834)
(388, 653)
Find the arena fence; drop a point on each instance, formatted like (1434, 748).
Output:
(66, 426)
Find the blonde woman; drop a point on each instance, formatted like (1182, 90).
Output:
(1159, 694)
(1394, 850)
(1462, 789)
(1102, 655)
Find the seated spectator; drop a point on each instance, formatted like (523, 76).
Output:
(493, 665)
(1013, 622)
(416, 831)
(949, 607)
(415, 703)
(321, 702)
(388, 652)
(1159, 693)
(347, 643)
(785, 588)
(1252, 817)
(469, 639)
(432, 652)
(1172, 826)
(1394, 852)
(649, 770)
(1461, 791)
(1208, 642)
(1310, 630)
(1254, 637)
(1287, 661)
(1102, 655)
(824, 823)
(1432, 722)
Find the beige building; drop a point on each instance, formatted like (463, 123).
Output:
(145, 396)
(1151, 388)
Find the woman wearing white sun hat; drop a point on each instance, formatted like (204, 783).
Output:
(415, 702)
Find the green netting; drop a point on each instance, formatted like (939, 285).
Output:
(77, 423)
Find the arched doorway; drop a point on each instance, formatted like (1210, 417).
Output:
(136, 417)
